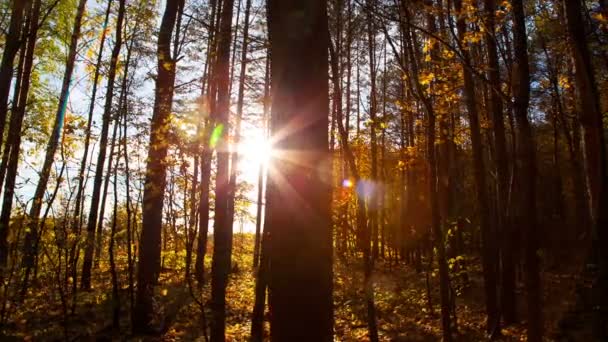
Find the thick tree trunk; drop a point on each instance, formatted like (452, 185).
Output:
(149, 252)
(595, 156)
(299, 200)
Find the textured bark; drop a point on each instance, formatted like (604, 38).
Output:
(154, 187)
(299, 200)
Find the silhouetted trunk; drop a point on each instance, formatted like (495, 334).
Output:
(12, 43)
(129, 205)
(29, 248)
(364, 229)
(76, 219)
(113, 273)
(258, 219)
(487, 233)
(595, 156)
(432, 176)
(234, 161)
(298, 201)
(508, 302)
(208, 94)
(154, 187)
(526, 164)
(373, 197)
(103, 142)
(222, 232)
(13, 140)
(261, 284)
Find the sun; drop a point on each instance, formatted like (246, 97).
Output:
(255, 151)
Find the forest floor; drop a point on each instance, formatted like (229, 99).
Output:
(404, 313)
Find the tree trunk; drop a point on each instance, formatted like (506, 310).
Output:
(487, 234)
(149, 252)
(29, 248)
(508, 299)
(298, 200)
(239, 117)
(258, 219)
(595, 156)
(76, 219)
(13, 141)
(13, 42)
(103, 142)
(222, 232)
(527, 173)
(208, 94)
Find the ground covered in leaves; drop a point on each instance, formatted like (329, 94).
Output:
(404, 311)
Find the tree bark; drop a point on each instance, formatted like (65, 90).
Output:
(525, 216)
(595, 156)
(13, 141)
(149, 252)
(222, 231)
(298, 199)
(13, 43)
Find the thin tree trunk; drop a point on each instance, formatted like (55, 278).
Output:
(527, 173)
(103, 142)
(208, 94)
(258, 220)
(30, 250)
(487, 233)
(222, 232)
(76, 219)
(13, 141)
(114, 275)
(13, 42)
(239, 117)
